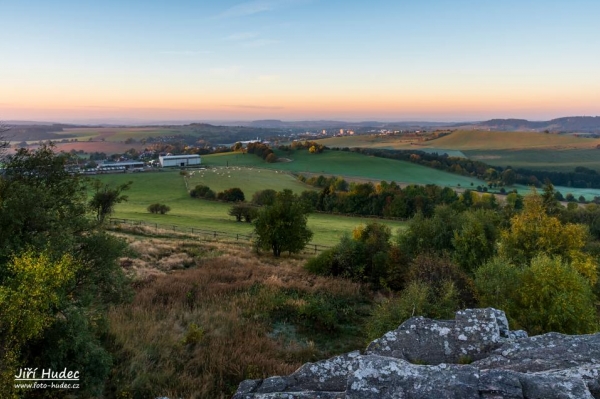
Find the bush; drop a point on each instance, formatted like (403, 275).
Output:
(202, 191)
(231, 195)
(322, 263)
(417, 299)
(436, 272)
(158, 208)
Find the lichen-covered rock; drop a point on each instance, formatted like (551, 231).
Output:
(325, 376)
(294, 395)
(571, 356)
(381, 377)
(471, 336)
(507, 364)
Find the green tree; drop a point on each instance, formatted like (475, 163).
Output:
(433, 234)
(45, 210)
(553, 296)
(264, 197)
(242, 211)
(549, 198)
(474, 241)
(106, 197)
(509, 177)
(282, 226)
(497, 283)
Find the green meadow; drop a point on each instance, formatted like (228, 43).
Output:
(347, 164)
(169, 187)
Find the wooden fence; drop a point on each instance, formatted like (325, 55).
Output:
(203, 234)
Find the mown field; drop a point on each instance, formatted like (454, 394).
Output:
(554, 160)
(347, 164)
(517, 149)
(169, 187)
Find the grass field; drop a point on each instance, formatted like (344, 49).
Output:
(484, 140)
(249, 179)
(169, 188)
(470, 140)
(347, 164)
(517, 149)
(554, 160)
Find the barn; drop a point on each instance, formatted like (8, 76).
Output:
(179, 160)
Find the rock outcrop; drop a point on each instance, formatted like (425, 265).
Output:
(474, 356)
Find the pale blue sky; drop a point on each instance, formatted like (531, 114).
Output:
(297, 59)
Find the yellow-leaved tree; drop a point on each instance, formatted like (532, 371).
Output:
(28, 300)
(533, 232)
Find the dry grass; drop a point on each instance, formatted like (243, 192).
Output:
(199, 323)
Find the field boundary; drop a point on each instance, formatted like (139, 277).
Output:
(203, 234)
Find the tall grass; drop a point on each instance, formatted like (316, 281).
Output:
(198, 332)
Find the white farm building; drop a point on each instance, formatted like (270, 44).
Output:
(179, 160)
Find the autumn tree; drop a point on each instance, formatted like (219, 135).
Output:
(532, 232)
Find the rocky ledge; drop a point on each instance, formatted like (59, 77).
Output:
(474, 356)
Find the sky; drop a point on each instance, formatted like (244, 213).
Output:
(436, 60)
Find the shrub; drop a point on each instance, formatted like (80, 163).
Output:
(158, 208)
(417, 299)
(322, 263)
(436, 272)
(202, 191)
(231, 195)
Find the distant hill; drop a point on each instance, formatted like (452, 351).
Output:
(582, 124)
(331, 124)
(35, 131)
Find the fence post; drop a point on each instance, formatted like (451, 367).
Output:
(315, 248)
(214, 234)
(237, 237)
